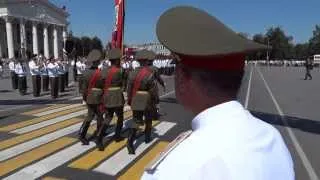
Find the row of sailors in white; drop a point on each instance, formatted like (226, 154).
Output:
(43, 68)
(165, 63)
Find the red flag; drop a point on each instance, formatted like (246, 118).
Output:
(117, 34)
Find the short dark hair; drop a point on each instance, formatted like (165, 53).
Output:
(227, 82)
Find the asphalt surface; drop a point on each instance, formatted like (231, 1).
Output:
(277, 95)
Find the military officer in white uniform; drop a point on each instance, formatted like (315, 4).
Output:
(14, 77)
(135, 64)
(61, 75)
(226, 141)
(21, 71)
(54, 77)
(34, 68)
(81, 67)
(44, 73)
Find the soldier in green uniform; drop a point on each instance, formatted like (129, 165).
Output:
(92, 94)
(155, 91)
(113, 99)
(141, 97)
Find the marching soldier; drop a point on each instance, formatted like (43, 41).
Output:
(14, 77)
(61, 75)
(92, 94)
(140, 97)
(35, 74)
(113, 99)
(154, 90)
(21, 71)
(53, 77)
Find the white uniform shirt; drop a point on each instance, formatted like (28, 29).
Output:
(135, 64)
(52, 69)
(81, 67)
(72, 63)
(34, 69)
(227, 143)
(12, 66)
(60, 68)
(43, 70)
(20, 69)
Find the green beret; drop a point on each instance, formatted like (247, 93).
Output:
(189, 31)
(94, 55)
(114, 54)
(145, 55)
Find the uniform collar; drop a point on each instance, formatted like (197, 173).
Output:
(216, 115)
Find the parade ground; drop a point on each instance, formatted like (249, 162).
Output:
(38, 137)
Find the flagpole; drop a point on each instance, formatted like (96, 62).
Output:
(123, 17)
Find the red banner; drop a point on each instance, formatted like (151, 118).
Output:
(117, 34)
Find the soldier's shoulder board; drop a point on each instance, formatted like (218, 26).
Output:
(152, 166)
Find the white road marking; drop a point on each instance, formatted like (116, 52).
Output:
(117, 162)
(48, 122)
(21, 148)
(249, 89)
(57, 110)
(48, 164)
(302, 154)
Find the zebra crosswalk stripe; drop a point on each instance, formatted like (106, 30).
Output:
(120, 160)
(48, 122)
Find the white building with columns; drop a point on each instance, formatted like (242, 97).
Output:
(32, 27)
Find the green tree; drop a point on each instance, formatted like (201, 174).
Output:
(96, 43)
(301, 50)
(314, 42)
(259, 38)
(86, 45)
(282, 46)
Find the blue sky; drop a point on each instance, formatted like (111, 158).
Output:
(95, 17)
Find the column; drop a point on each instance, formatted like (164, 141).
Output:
(64, 36)
(46, 40)
(9, 37)
(35, 38)
(55, 42)
(23, 39)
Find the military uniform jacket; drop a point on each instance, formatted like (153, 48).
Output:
(113, 80)
(94, 94)
(142, 100)
(226, 143)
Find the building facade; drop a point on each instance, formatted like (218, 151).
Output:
(158, 48)
(32, 27)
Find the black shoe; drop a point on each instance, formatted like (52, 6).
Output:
(130, 148)
(84, 141)
(147, 139)
(100, 146)
(118, 138)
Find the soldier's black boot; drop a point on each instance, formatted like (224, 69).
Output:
(82, 134)
(100, 145)
(132, 136)
(147, 132)
(101, 134)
